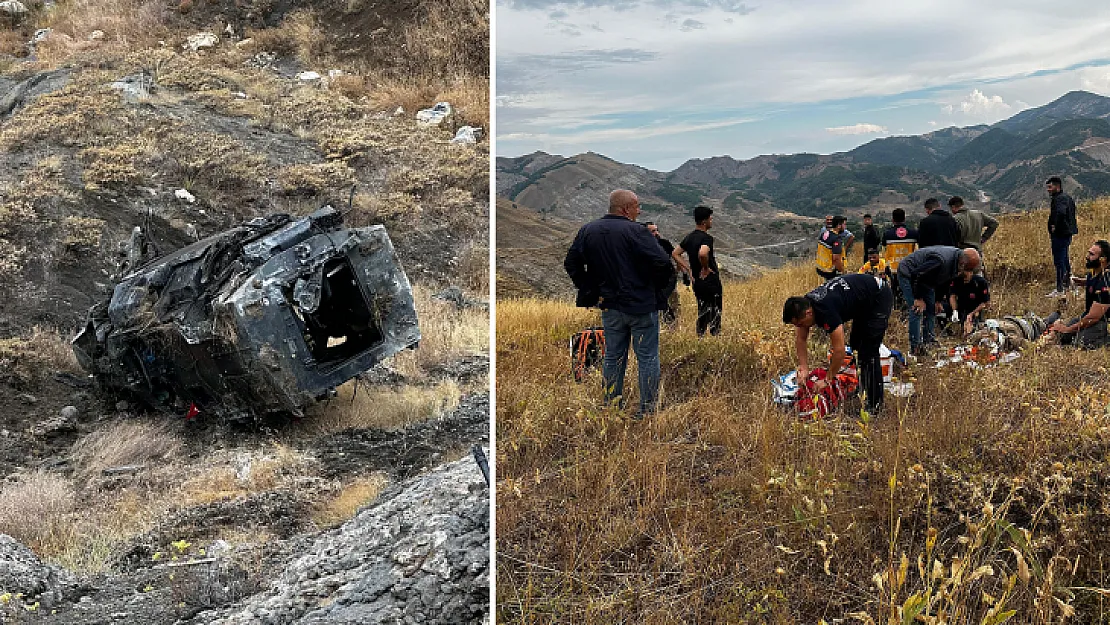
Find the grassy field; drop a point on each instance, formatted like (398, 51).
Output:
(981, 499)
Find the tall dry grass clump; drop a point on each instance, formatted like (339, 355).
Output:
(978, 499)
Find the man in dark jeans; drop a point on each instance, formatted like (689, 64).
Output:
(920, 274)
(618, 266)
(698, 245)
(864, 300)
(1062, 227)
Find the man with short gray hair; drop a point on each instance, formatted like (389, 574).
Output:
(920, 274)
(618, 266)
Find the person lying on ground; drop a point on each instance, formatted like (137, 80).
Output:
(1088, 331)
(864, 300)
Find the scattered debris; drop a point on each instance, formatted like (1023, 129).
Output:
(467, 134)
(262, 319)
(435, 115)
(96, 35)
(308, 76)
(201, 41)
(184, 195)
(39, 36)
(123, 470)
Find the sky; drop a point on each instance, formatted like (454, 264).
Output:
(659, 82)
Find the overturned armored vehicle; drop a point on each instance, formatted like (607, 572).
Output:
(260, 320)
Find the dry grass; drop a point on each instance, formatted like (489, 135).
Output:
(27, 361)
(722, 508)
(243, 474)
(447, 333)
(36, 510)
(347, 502)
(384, 408)
(125, 443)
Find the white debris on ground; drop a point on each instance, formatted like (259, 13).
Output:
(201, 41)
(433, 116)
(467, 134)
(185, 196)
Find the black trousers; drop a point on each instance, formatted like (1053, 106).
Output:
(867, 335)
(710, 296)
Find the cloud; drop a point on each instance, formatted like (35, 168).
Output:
(857, 129)
(933, 123)
(728, 6)
(624, 134)
(1096, 81)
(691, 24)
(977, 104)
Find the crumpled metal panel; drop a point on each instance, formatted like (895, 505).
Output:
(262, 319)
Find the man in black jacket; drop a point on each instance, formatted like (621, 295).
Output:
(1062, 227)
(871, 237)
(938, 227)
(920, 274)
(618, 266)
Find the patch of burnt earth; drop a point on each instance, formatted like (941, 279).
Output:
(407, 452)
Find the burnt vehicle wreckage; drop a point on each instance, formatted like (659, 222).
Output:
(257, 321)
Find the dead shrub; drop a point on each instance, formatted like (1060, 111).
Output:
(350, 498)
(37, 511)
(27, 361)
(124, 443)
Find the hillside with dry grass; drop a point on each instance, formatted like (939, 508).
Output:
(185, 117)
(980, 499)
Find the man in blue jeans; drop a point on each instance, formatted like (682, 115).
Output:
(1062, 226)
(618, 266)
(920, 274)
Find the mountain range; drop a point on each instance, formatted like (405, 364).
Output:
(765, 203)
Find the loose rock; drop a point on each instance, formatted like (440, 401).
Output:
(201, 41)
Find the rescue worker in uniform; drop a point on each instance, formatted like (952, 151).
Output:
(899, 241)
(864, 300)
(876, 266)
(831, 249)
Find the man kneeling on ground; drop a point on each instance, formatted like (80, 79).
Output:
(968, 296)
(864, 300)
(1088, 331)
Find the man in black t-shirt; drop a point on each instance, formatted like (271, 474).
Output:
(864, 300)
(968, 296)
(1088, 331)
(698, 246)
(669, 315)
